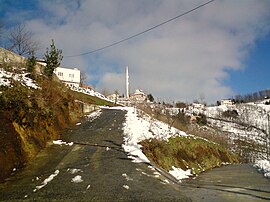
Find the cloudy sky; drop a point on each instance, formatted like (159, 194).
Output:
(217, 51)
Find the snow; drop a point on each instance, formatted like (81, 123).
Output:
(126, 186)
(6, 78)
(127, 177)
(74, 170)
(140, 126)
(94, 115)
(89, 92)
(77, 179)
(61, 142)
(251, 126)
(263, 166)
(179, 174)
(47, 180)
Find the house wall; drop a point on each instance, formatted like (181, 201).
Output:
(69, 76)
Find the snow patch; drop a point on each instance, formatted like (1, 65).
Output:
(77, 179)
(47, 180)
(263, 166)
(127, 177)
(94, 115)
(74, 170)
(61, 142)
(7, 77)
(138, 127)
(179, 174)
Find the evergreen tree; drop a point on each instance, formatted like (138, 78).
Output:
(150, 97)
(53, 58)
(31, 62)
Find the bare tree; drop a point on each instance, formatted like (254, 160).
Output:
(83, 78)
(21, 41)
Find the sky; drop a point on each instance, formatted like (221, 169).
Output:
(215, 52)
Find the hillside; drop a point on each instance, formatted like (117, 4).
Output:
(33, 111)
(246, 125)
(182, 154)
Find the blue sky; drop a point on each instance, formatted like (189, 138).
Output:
(256, 73)
(216, 52)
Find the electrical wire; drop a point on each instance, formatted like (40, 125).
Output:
(140, 33)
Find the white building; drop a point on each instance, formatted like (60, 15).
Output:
(114, 97)
(72, 77)
(226, 102)
(197, 106)
(138, 96)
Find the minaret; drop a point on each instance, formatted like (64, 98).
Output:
(127, 83)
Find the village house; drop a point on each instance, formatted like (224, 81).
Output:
(70, 76)
(114, 97)
(197, 106)
(226, 102)
(138, 96)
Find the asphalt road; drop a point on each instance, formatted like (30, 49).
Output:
(96, 168)
(240, 182)
(106, 174)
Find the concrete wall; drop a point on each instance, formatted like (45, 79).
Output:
(87, 108)
(10, 57)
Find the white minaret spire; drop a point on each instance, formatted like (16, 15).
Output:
(127, 83)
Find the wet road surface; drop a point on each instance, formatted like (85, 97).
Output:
(97, 169)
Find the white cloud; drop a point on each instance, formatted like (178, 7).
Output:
(179, 60)
(110, 82)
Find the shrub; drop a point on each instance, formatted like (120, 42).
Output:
(201, 119)
(230, 114)
(180, 105)
(31, 62)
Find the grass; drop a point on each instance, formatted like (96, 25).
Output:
(187, 152)
(91, 99)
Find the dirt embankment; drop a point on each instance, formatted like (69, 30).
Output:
(30, 118)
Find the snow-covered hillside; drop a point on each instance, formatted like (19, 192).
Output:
(90, 92)
(6, 78)
(248, 130)
(253, 114)
(22, 76)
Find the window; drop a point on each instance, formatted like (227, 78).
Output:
(71, 75)
(60, 73)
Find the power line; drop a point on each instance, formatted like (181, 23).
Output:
(143, 32)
